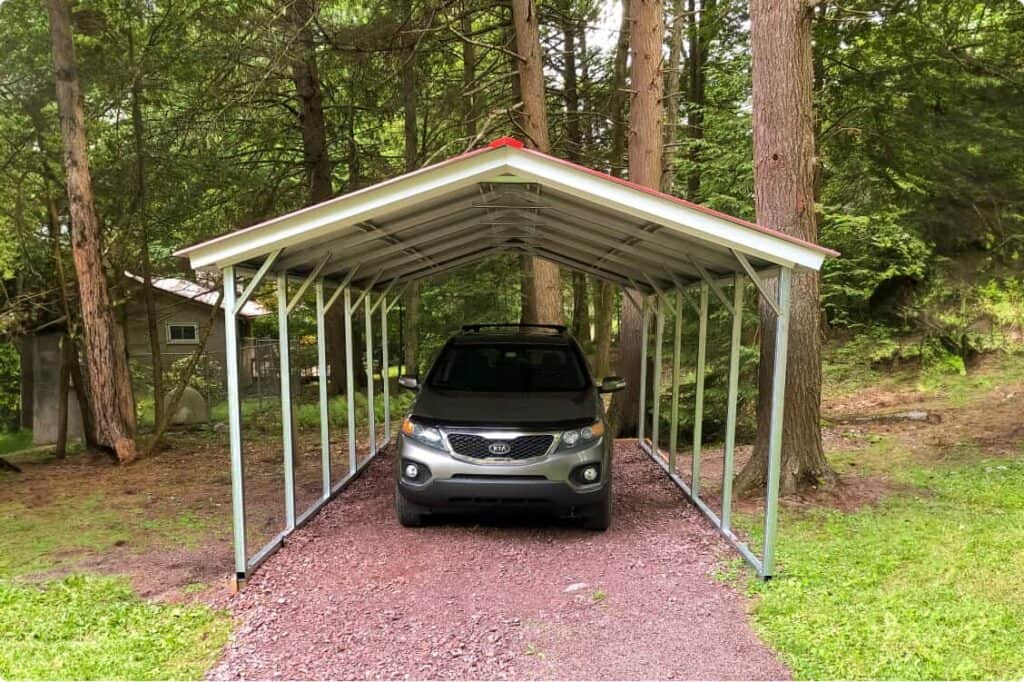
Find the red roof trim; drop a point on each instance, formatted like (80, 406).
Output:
(505, 142)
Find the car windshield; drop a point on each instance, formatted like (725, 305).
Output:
(509, 367)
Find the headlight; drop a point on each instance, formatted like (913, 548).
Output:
(427, 435)
(584, 436)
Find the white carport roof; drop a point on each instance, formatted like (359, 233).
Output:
(505, 198)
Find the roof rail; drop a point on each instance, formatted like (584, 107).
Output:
(558, 328)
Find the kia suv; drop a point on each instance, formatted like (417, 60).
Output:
(508, 417)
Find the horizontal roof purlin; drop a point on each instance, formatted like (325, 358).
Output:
(506, 198)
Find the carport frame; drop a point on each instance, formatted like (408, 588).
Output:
(657, 251)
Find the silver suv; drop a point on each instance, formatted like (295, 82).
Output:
(507, 418)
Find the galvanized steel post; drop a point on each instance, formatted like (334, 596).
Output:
(385, 371)
(677, 351)
(659, 333)
(370, 416)
(698, 412)
(350, 384)
(234, 424)
(645, 317)
(771, 512)
(285, 371)
(321, 381)
(734, 382)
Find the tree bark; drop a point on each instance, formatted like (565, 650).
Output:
(113, 403)
(784, 169)
(605, 300)
(300, 16)
(645, 145)
(152, 323)
(574, 146)
(63, 392)
(473, 107)
(411, 124)
(542, 281)
(672, 96)
(702, 26)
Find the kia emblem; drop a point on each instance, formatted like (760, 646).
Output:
(499, 448)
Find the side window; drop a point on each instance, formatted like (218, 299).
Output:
(182, 333)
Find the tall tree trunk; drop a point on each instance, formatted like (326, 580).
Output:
(473, 107)
(703, 23)
(113, 404)
(542, 281)
(316, 161)
(152, 323)
(784, 170)
(300, 15)
(574, 146)
(672, 96)
(411, 124)
(645, 143)
(63, 393)
(605, 303)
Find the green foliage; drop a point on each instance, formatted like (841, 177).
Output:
(13, 441)
(208, 377)
(85, 627)
(876, 249)
(925, 586)
(10, 387)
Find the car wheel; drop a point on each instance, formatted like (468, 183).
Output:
(409, 514)
(601, 515)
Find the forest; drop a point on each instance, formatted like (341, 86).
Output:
(131, 129)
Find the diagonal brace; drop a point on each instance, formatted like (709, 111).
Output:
(307, 282)
(256, 279)
(756, 279)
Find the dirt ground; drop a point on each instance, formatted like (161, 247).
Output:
(353, 595)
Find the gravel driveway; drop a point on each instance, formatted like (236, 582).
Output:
(354, 595)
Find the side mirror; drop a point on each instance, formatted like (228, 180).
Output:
(408, 382)
(611, 385)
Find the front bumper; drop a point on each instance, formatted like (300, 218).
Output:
(457, 484)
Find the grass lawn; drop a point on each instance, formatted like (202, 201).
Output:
(927, 583)
(15, 440)
(87, 627)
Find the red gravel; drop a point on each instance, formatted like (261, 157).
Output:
(354, 595)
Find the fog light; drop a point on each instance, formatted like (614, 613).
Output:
(411, 471)
(590, 474)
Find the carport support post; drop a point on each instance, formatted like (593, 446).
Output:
(659, 333)
(285, 370)
(677, 351)
(350, 384)
(321, 382)
(734, 382)
(368, 313)
(235, 425)
(646, 322)
(771, 512)
(698, 416)
(385, 370)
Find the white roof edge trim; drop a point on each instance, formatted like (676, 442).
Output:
(458, 173)
(343, 211)
(663, 211)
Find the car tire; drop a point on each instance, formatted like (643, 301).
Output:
(409, 514)
(600, 517)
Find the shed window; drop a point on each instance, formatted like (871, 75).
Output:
(182, 333)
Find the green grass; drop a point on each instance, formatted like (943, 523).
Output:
(926, 584)
(97, 628)
(45, 537)
(14, 441)
(265, 413)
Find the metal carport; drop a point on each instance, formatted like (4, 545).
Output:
(505, 198)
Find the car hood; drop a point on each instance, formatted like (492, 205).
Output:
(477, 408)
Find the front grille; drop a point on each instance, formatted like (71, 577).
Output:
(479, 447)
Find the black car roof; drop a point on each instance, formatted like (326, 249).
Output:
(554, 335)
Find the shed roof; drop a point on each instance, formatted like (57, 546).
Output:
(505, 198)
